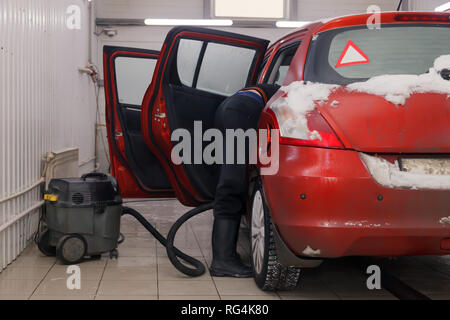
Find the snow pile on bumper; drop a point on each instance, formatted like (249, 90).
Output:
(389, 175)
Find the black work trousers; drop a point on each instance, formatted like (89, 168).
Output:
(236, 112)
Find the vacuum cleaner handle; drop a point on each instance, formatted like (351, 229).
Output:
(94, 175)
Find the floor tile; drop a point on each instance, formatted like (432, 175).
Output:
(128, 287)
(231, 286)
(58, 287)
(71, 297)
(186, 288)
(310, 296)
(31, 262)
(250, 297)
(132, 262)
(137, 252)
(86, 273)
(18, 287)
(434, 296)
(12, 297)
(126, 298)
(28, 273)
(148, 273)
(351, 288)
(169, 272)
(190, 298)
(89, 263)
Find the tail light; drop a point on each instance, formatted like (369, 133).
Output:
(312, 130)
(422, 17)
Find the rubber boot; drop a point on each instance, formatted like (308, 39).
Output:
(226, 261)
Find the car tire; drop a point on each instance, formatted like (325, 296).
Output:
(269, 273)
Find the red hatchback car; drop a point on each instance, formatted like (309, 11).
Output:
(364, 134)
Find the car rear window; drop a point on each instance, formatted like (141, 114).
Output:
(348, 55)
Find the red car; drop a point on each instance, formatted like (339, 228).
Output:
(364, 143)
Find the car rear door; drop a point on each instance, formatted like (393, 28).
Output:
(197, 69)
(128, 73)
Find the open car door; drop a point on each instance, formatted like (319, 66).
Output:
(196, 70)
(128, 73)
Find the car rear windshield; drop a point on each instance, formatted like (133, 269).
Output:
(343, 56)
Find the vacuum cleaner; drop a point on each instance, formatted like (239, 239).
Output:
(82, 218)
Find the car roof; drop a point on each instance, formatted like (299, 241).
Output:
(358, 19)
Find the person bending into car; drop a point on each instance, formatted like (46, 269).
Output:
(240, 111)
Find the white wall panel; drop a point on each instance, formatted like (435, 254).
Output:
(425, 5)
(45, 105)
(136, 9)
(310, 10)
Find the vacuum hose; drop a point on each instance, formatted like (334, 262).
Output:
(172, 252)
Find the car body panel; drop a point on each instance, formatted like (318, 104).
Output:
(369, 123)
(345, 212)
(124, 166)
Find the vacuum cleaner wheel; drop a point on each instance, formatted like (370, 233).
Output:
(44, 244)
(71, 249)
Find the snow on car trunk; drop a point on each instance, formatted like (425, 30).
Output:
(364, 114)
(397, 88)
(391, 176)
(394, 113)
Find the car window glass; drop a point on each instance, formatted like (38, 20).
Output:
(390, 50)
(225, 68)
(133, 76)
(188, 53)
(281, 66)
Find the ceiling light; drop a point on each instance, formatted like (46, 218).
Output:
(443, 8)
(290, 24)
(189, 22)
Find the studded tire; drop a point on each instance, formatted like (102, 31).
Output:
(270, 274)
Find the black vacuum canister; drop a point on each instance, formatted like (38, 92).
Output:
(82, 217)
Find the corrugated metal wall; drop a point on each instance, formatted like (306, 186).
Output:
(424, 5)
(45, 105)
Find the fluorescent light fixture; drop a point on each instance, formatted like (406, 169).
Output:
(290, 24)
(443, 8)
(189, 22)
(252, 9)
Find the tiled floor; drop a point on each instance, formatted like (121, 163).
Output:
(143, 270)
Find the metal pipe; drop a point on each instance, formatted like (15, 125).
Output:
(21, 215)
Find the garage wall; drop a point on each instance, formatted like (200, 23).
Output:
(425, 5)
(45, 105)
(310, 10)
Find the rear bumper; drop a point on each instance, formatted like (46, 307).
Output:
(345, 212)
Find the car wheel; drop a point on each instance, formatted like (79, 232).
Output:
(270, 275)
(71, 249)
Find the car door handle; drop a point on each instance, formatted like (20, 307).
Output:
(160, 115)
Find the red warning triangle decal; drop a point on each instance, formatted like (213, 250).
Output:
(351, 56)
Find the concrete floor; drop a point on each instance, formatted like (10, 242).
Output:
(143, 270)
